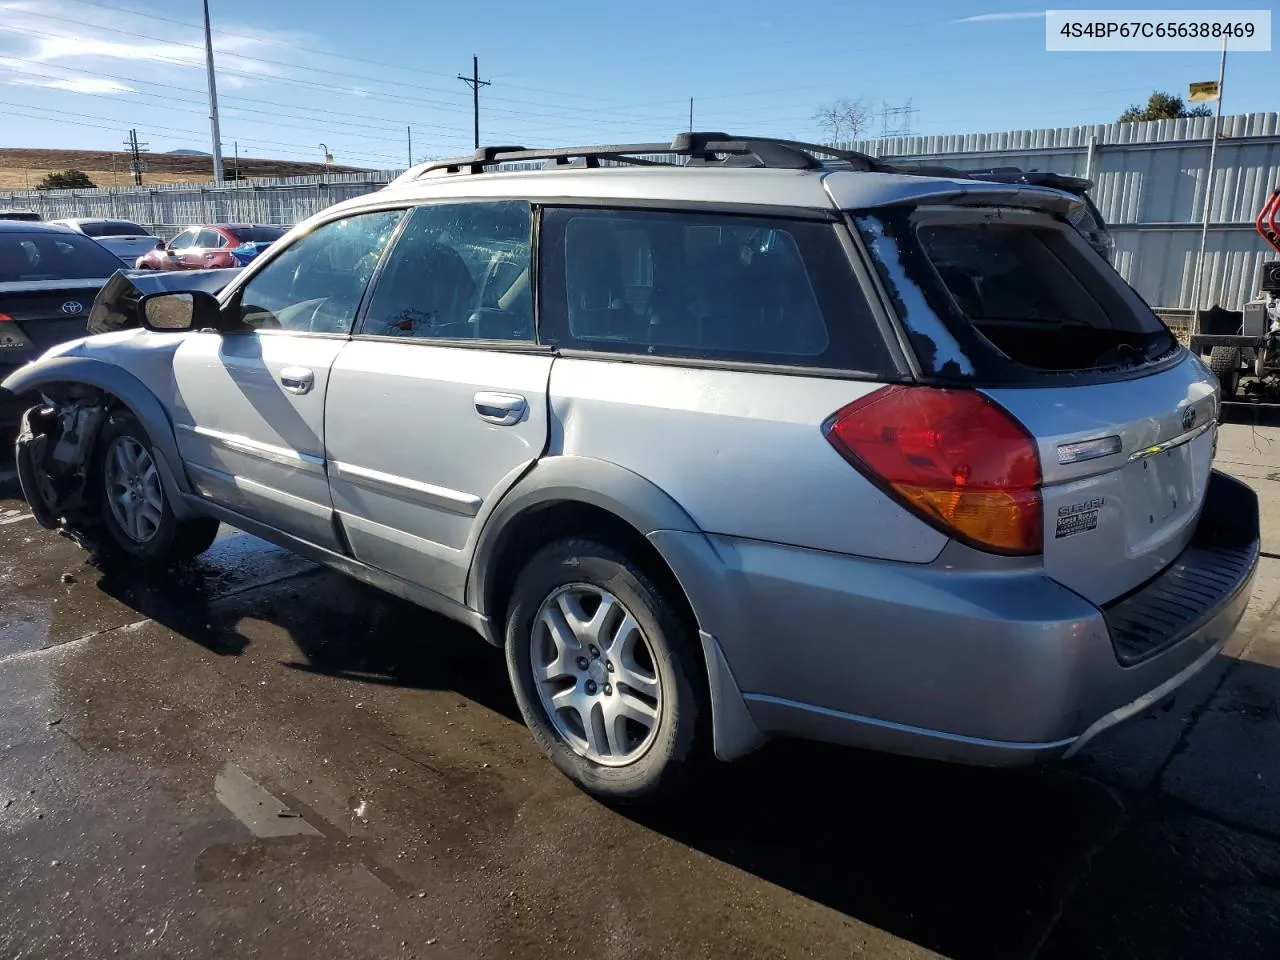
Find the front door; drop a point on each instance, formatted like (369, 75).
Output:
(439, 402)
(249, 405)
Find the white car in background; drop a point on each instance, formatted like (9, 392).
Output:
(124, 238)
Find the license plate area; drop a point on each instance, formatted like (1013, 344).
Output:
(1159, 491)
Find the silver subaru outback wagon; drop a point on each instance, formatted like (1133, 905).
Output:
(721, 439)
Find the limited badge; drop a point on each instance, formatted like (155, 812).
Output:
(1077, 518)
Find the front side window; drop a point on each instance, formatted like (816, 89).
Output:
(183, 240)
(459, 271)
(315, 285)
(706, 286)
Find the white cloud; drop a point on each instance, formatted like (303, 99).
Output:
(77, 85)
(38, 33)
(998, 17)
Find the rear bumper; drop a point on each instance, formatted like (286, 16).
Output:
(993, 666)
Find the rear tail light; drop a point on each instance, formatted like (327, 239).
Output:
(953, 457)
(5, 318)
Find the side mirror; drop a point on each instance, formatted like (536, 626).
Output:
(174, 312)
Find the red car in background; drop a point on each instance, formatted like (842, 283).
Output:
(211, 247)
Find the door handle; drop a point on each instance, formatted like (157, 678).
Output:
(503, 409)
(297, 379)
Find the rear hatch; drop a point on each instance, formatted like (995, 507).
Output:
(1012, 302)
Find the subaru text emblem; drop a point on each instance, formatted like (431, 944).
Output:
(72, 307)
(1188, 418)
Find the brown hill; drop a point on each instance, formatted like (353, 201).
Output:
(22, 168)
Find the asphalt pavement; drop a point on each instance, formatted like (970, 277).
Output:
(253, 757)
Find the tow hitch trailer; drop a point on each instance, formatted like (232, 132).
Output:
(1242, 347)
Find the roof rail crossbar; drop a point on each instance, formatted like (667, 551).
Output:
(698, 148)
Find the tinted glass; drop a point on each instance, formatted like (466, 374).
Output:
(259, 234)
(994, 295)
(709, 286)
(113, 228)
(458, 271)
(53, 256)
(316, 283)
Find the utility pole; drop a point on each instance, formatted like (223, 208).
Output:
(475, 83)
(408, 131)
(236, 145)
(213, 97)
(135, 150)
(691, 114)
(1208, 195)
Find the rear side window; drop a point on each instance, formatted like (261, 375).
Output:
(259, 234)
(53, 256)
(705, 286)
(112, 228)
(985, 292)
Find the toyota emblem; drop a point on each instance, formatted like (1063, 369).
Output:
(1188, 418)
(72, 307)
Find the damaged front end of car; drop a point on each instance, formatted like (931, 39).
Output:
(54, 457)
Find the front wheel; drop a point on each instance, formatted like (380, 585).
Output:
(606, 672)
(135, 511)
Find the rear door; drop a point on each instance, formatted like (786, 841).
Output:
(438, 404)
(1016, 303)
(205, 242)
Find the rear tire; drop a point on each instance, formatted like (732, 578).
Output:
(607, 673)
(1225, 364)
(139, 522)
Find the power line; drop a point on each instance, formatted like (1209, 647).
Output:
(332, 56)
(296, 148)
(327, 71)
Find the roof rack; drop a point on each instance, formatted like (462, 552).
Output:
(700, 149)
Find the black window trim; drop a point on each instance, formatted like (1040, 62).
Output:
(862, 271)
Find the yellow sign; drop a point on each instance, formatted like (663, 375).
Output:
(1205, 92)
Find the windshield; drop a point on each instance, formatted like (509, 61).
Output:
(53, 256)
(259, 234)
(113, 228)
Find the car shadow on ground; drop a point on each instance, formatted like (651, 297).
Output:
(976, 864)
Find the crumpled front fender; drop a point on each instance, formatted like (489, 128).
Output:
(38, 376)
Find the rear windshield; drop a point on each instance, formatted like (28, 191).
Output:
(259, 234)
(113, 228)
(26, 215)
(983, 293)
(53, 256)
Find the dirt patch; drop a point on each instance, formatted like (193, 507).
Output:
(23, 168)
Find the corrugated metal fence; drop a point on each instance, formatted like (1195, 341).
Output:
(167, 208)
(1150, 182)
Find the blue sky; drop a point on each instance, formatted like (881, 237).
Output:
(353, 73)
